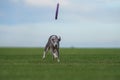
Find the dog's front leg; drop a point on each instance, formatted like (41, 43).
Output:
(58, 57)
(55, 55)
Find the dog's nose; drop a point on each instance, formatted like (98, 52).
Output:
(55, 45)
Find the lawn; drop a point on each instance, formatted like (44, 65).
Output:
(76, 64)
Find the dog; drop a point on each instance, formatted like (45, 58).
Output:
(53, 46)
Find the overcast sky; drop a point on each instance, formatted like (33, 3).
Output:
(81, 23)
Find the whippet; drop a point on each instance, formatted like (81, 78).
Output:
(53, 46)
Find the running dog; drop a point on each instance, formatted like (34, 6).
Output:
(53, 46)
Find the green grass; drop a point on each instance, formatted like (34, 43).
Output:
(76, 64)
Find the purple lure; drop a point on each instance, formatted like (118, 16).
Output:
(57, 9)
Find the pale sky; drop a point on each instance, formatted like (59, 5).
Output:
(81, 23)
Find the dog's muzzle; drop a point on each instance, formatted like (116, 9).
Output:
(55, 44)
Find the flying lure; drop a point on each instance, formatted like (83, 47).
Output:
(57, 10)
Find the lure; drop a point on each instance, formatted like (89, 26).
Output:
(57, 10)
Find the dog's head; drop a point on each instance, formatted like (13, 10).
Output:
(55, 40)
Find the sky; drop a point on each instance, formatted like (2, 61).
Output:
(81, 23)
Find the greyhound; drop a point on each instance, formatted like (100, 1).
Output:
(53, 46)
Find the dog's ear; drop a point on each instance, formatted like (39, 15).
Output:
(59, 38)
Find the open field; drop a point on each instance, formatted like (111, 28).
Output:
(76, 64)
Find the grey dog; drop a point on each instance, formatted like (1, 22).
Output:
(53, 46)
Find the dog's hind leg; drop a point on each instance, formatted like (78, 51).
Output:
(44, 53)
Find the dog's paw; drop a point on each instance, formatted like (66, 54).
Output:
(58, 60)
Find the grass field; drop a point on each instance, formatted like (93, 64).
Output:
(76, 64)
